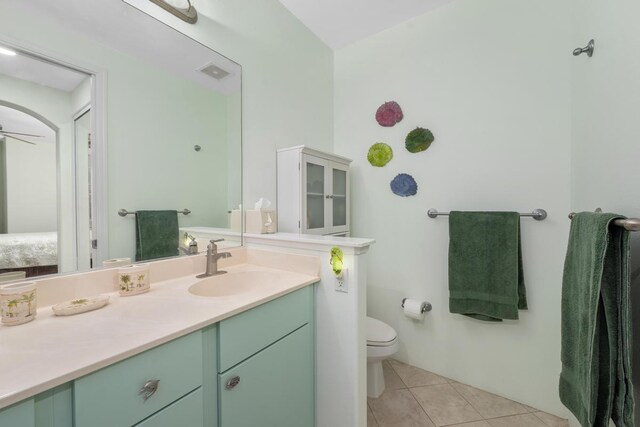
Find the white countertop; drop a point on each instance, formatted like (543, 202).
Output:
(51, 350)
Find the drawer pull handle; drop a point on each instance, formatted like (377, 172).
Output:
(232, 383)
(148, 389)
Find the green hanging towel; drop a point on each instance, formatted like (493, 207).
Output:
(485, 265)
(157, 234)
(595, 383)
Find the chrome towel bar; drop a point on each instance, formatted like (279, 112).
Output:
(124, 212)
(537, 214)
(631, 224)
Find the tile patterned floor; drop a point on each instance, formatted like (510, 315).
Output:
(417, 398)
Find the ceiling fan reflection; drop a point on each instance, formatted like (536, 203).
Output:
(6, 134)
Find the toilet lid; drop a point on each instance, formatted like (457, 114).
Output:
(379, 332)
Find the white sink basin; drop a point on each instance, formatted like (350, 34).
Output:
(234, 283)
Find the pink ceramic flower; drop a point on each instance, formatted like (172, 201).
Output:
(389, 114)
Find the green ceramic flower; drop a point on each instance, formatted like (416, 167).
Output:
(379, 154)
(419, 140)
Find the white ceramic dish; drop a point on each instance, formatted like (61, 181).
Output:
(80, 305)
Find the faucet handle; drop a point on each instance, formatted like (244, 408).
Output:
(214, 241)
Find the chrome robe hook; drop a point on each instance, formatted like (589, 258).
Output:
(587, 49)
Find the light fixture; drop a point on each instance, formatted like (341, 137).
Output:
(183, 9)
(8, 52)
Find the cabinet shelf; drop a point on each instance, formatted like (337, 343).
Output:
(315, 194)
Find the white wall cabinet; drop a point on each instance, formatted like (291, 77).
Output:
(313, 192)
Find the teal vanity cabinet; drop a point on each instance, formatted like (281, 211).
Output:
(256, 368)
(266, 364)
(128, 392)
(21, 414)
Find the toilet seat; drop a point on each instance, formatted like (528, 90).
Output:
(382, 343)
(379, 334)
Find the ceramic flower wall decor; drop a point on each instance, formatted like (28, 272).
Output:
(379, 154)
(404, 185)
(418, 140)
(389, 114)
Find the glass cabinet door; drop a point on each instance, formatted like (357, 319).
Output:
(339, 198)
(315, 195)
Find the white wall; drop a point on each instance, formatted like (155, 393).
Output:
(491, 80)
(81, 95)
(152, 162)
(280, 58)
(287, 79)
(606, 93)
(151, 132)
(31, 187)
(31, 169)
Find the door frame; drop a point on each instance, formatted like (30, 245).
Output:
(98, 129)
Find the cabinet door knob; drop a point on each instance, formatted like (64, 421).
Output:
(330, 196)
(148, 389)
(232, 383)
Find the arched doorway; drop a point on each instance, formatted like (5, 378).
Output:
(29, 207)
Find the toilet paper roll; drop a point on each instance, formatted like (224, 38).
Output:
(413, 309)
(116, 262)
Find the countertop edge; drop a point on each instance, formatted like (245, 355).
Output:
(13, 398)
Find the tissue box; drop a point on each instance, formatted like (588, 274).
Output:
(235, 220)
(261, 221)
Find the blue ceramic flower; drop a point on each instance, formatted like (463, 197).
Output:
(404, 185)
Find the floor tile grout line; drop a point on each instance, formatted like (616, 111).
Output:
(517, 415)
(421, 407)
(399, 376)
(373, 415)
(543, 421)
(395, 372)
(467, 400)
(502, 416)
(450, 382)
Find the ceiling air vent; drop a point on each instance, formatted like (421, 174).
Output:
(214, 71)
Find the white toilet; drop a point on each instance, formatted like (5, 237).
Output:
(382, 343)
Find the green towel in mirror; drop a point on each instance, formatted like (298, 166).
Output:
(157, 234)
(485, 265)
(595, 383)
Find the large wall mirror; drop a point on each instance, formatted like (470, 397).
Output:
(117, 135)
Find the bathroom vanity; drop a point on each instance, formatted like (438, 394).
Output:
(171, 357)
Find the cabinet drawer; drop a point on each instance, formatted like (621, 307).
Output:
(274, 388)
(110, 397)
(187, 412)
(247, 333)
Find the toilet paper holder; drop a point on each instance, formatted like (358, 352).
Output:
(426, 306)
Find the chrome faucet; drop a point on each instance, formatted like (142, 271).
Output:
(193, 245)
(212, 259)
